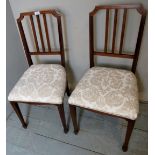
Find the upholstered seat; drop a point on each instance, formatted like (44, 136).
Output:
(41, 83)
(108, 90)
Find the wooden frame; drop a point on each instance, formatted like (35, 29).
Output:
(111, 53)
(42, 13)
(29, 53)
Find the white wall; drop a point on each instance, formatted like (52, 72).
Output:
(77, 33)
(15, 61)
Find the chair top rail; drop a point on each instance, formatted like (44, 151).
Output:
(54, 12)
(138, 7)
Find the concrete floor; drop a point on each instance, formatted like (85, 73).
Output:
(99, 135)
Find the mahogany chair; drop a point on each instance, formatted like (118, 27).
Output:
(106, 90)
(41, 84)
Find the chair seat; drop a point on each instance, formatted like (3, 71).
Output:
(108, 90)
(41, 83)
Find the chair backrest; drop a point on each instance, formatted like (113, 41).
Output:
(38, 15)
(112, 52)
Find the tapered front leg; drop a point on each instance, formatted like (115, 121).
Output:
(19, 114)
(62, 116)
(74, 118)
(130, 127)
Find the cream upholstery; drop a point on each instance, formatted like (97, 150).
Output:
(108, 90)
(42, 83)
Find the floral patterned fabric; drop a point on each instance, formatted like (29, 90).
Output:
(108, 90)
(41, 83)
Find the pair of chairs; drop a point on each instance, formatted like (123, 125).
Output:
(102, 90)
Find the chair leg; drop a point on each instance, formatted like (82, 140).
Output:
(74, 118)
(62, 116)
(19, 114)
(67, 90)
(128, 134)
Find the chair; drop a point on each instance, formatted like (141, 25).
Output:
(41, 84)
(110, 91)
